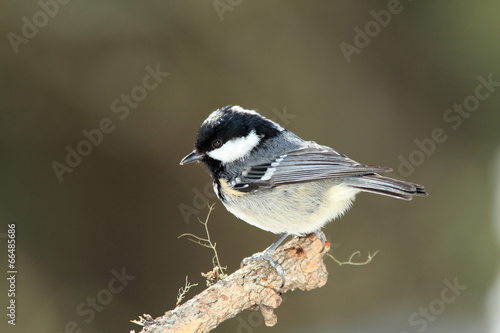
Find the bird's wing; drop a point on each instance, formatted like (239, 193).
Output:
(311, 163)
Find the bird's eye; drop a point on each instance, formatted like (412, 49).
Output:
(217, 143)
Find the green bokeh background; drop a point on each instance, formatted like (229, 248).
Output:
(119, 208)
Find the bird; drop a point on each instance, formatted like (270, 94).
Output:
(270, 178)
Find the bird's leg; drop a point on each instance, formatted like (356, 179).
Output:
(320, 235)
(267, 255)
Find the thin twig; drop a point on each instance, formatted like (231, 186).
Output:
(183, 291)
(355, 254)
(218, 270)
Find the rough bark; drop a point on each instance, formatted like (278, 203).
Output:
(255, 286)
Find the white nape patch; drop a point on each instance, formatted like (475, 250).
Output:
(238, 108)
(235, 149)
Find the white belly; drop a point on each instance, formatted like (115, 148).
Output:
(298, 209)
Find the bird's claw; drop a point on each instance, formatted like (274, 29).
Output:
(267, 256)
(320, 235)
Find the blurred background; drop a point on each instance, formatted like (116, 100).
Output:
(100, 100)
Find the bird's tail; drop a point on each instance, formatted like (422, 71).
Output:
(389, 186)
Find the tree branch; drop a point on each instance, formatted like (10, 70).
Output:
(255, 286)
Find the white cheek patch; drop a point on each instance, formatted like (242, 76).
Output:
(236, 148)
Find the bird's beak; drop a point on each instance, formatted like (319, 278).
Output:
(193, 157)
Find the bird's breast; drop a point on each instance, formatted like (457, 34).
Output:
(296, 208)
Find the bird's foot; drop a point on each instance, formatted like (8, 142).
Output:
(321, 236)
(267, 255)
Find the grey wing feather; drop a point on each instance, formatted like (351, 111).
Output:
(388, 186)
(311, 163)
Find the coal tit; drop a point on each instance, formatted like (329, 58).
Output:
(272, 179)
